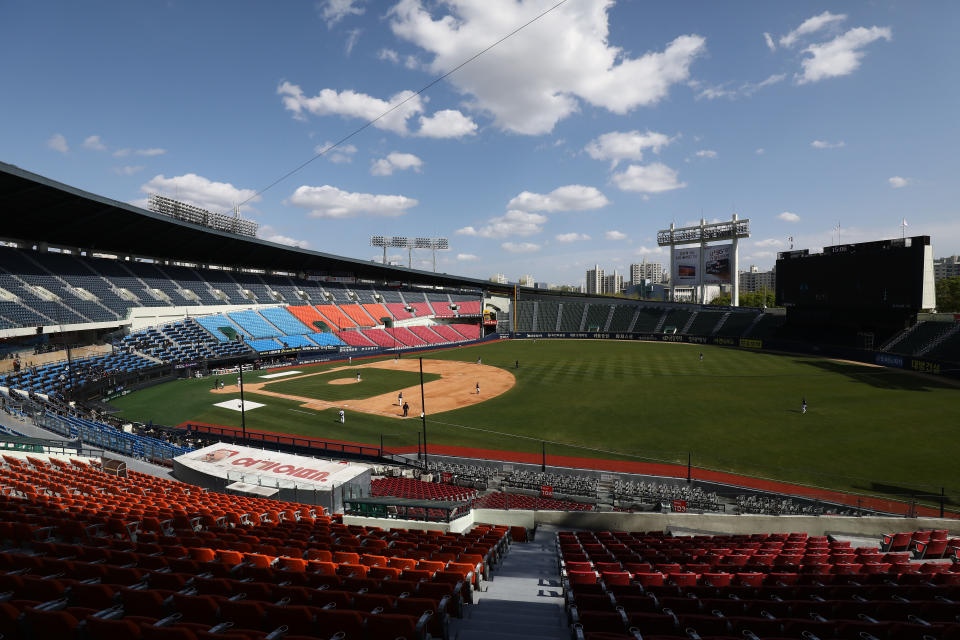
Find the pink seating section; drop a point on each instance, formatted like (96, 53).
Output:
(468, 331)
(418, 489)
(356, 338)
(399, 310)
(379, 337)
(762, 585)
(405, 336)
(421, 309)
(470, 308)
(428, 335)
(447, 333)
(499, 500)
(82, 542)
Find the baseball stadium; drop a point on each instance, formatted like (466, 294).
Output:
(304, 444)
(479, 320)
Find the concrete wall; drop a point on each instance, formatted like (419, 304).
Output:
(869, 526)
(457, 526)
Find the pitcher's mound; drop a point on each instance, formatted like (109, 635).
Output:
(343, 381)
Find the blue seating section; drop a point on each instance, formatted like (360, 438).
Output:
(293, 342)
(254, 324)
(181, 342)
(95, 434)
(264, 344)
(213, 324)
(285, 321)
(324, 339)
(61, 375)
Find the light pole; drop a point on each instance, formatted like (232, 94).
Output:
(423, 415)
(243, 412)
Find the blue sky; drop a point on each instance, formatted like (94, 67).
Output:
(570, 143)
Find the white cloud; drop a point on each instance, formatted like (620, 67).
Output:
(823, 144)
(571, 237)
(651, 178)
(629, 145)
(760, 151)
(520, 247)
(446, 123)
(615, 235)
(746, 89)
(841, 56)
(94, 143)
(58, 143)
(898, 182)
(786, 216)
(530, 83)
(706, 153)
(811, 25)
(769, 242)
(340, 155)
(352, 104)
(352, 36)
(760, 254)
(645, 251)
(769, 40)
(270, 234)
(466, 257)
(123, 153)
(512, 223)
(572, 197)
(388, 54)
(331, 202)
(395, 162)
(411, 62)
(128, 170)
(333, 11)
(199, 191)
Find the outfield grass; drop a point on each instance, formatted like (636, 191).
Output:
(867, 429)
(373, 382)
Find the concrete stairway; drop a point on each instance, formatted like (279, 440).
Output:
(523, 601)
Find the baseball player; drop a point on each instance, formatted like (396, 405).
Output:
(803, 406)
(342, 417)
(478, 388)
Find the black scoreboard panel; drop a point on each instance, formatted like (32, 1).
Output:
(872, 275)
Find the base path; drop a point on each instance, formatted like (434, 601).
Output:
(456, 388)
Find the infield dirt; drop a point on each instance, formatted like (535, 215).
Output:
(456, 388)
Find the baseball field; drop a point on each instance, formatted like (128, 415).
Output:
(867, 429)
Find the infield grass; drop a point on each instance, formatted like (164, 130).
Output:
(373, 382)
(867, 429)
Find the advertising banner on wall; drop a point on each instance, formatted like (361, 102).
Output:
(686, 264)
(717, 261)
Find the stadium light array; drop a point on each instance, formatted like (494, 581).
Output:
(403, 242)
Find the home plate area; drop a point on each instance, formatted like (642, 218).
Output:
(234, 404)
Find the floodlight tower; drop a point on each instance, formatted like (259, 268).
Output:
(380, 241)
(433, 244)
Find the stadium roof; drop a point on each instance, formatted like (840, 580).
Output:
(39, 210)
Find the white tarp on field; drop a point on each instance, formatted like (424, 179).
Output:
(268, 468)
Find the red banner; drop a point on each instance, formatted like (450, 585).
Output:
(546, 491)
(679, 506)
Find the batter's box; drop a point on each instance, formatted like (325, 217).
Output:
(234, 405)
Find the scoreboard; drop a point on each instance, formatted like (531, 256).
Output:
(883, 275)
